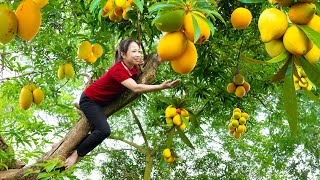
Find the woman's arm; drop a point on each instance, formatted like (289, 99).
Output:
(142, 88)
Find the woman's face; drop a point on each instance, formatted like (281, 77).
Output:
(133, 55)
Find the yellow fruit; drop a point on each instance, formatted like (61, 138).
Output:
(238, 79)
(301, 72)
(108, 6)
(177, 120)
(231, 88)
(310, 84)
(187, 118)
(230, 127)
(296, 41)
(120, 3)
(301, 13)
(169, 160)
(112, 16)
(241, 18)
(68, 71)
(118, 18)
(170, 21)
(170, 111)
(245, 115)
(246, 86)
(131, 2)
(31, 87)
(118, 11)
(85, 50)
(303, 85)
(313, 55)
(235, 123)
(169, 120)
(242, 120)
(172, 45)
(184, 113)
(97, 50)
(8, 24)
(236, 115)
(41, 3)
(61, 72)
(91, 59)
(166, 153)
(25, 98)
(188, 27)
(237, 110)
(285, 3)
(29, 19)
(183, 126)
(272, 24)
(315, 23)
(275, 47)
(124, 14)
(38, 96)
(303, 80)
(297, 86)
(236, 135)
(240, 129)
(240, 91)
(187, 61)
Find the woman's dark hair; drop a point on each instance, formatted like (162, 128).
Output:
(123, 48)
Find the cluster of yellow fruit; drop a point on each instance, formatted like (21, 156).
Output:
(168, 155)
(90, 53)
(65, 71)
(117, 9)
(241, 18)
(30, 93)
(173, 116)
(237, 123)
(177, 45)
(303, 81)
(239, 86)
(25, 21)
(278, 36)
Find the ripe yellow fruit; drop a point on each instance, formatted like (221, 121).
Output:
(245, 115)
(41, 3)
(237, 110)
(235, 123)
(169, 120)
(177, 120)
(241, 18)
(169, 160)
(172, 45)
(240, 91)
(285, 3)
(310, 84)
(124, 14)
(313, 55)
(38, 96)
(240, 129)
(272, 24)
(238, 79)
(91, 59)
(25, 98)
(314, 23)
(108, 6)
(189, 27)
(61, 72)
(246, 86)
(275, 47)
(29, 19)
(170, 21)
(170, 111)
(301, 13)
(31, 87)
(236, 115)
(303, 85)
(131, 2)
(184, 112)
(166, 153)
(118, 11)
(236, 135)
(296, 41)
(187, 61)
(68, 71)
(230, 127)
(183, 126)
(8, 24)
(97, 50)
(84, 50)
(231, 88)
(242, 120)
(120, 3)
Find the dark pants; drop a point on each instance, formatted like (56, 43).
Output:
(101, 129)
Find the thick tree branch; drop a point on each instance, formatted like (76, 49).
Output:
(140, 126)
(137, 146)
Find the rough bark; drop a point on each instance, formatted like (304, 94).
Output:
(67, 145)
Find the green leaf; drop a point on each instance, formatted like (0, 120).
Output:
(312, 70)
(163, 6)
(312, 96)
(94, 5)
(139, 4)
(282, 72)
(290, 99)
(313, 35)
(196, 29)
(184, 138)
(252, 1)
(283, 56)
(209, 23)
(185, 121)
(170, 138)
(317, 7)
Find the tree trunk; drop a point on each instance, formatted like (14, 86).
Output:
(67, 145)
(148, 167)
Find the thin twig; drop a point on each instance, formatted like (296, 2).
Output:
(141, 149)
(22, 75)
(140, 126)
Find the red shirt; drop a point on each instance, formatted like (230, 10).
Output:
(108, 87)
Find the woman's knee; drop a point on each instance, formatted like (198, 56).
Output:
(105, 132)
